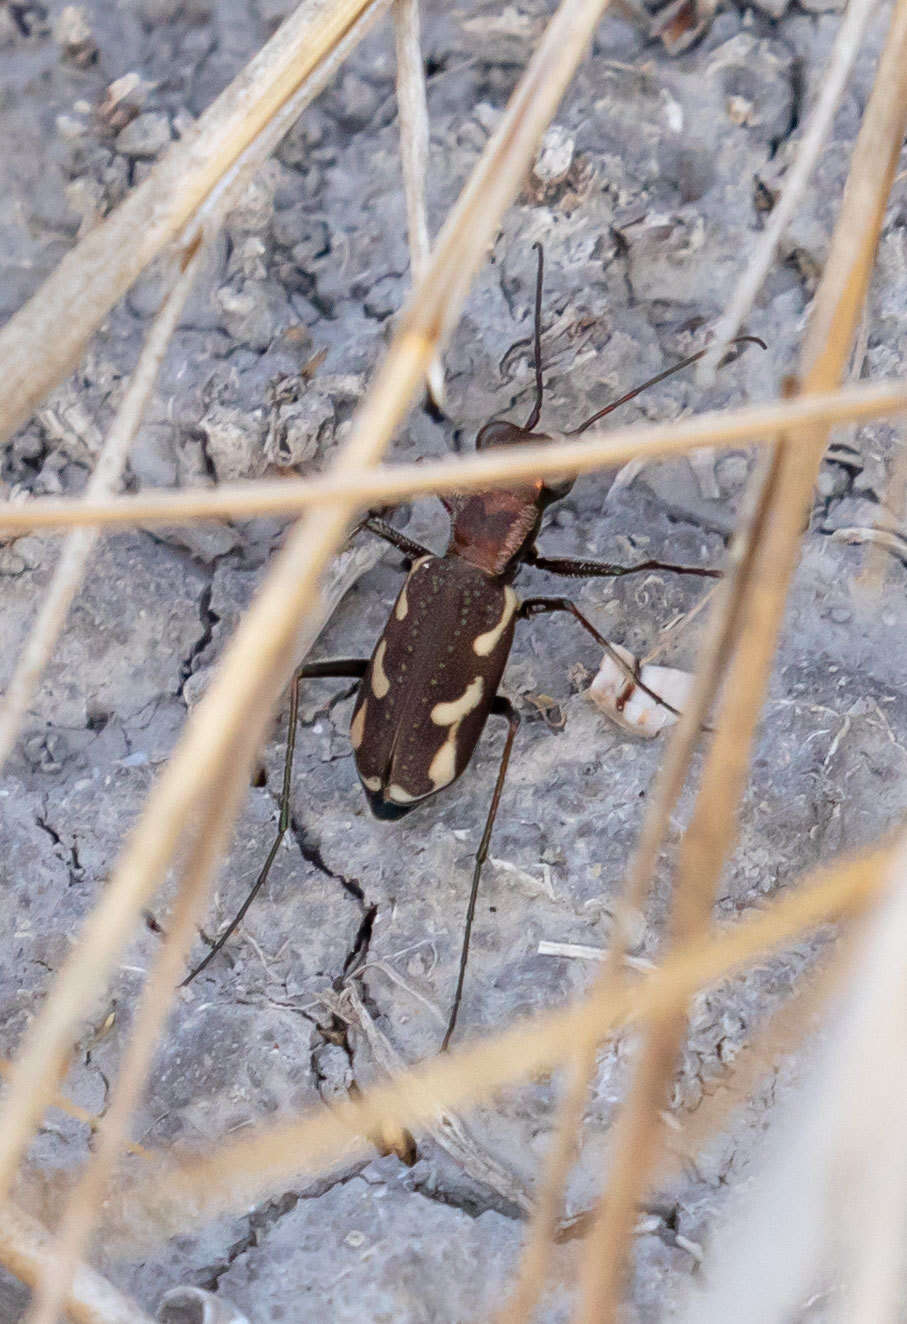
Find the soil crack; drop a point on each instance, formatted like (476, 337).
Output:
(261, 1221)
(311, 853)
(209, 619)
(469, 1200)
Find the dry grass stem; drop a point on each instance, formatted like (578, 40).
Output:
(79, 1217)
(412, 108)
(345, 570)
(672, 631)
(228, 191)
(832, 1179)
(77, 1113)
(868, 1174)
(448, 1130)
(246, 1169)
(260, 657)
(889, 540)
(714, 656)
(837, 309)
(43, 341)
(537, 1252)
(722, 634)
(751, 424)
(573, 951)
(783, 1034)
(756, 268)
(469, 229)
(79, 544)
(873, 574)
(839, 299)
(26, 1250)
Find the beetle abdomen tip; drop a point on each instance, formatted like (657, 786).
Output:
(387, 810)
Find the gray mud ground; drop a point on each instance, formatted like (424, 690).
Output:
(649, 196)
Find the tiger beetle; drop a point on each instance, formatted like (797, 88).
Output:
(432, 682)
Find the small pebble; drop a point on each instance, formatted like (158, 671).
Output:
(487, 116)
(124, 99)
(73, 35)
(555, 156)
(70, 127)
(146, 136)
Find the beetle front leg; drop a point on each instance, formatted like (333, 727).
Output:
(354, 667)
(540, 606)
(577, 569)
(381, 529)
(501, 707)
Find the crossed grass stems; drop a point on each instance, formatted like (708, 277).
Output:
(212, 762)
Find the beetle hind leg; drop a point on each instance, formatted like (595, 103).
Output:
(501, 707)
(574, 568)
(540, 606)
(348, 666)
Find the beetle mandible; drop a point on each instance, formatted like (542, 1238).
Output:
(432, 681)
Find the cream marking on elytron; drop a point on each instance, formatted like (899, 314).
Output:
(380, 682)
(399, 796)
(443, 767)
(402, 606)
(357, 727)
(445, 714)
(372, 783)
(486, 643)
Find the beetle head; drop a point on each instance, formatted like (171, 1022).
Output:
(500, 432)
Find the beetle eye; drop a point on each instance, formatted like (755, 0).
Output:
(499, 433)
(556, 491)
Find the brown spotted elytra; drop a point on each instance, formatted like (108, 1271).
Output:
(432, 681)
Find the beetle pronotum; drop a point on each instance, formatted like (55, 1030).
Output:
(432, 681)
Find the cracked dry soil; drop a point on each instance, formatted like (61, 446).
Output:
(649, 192)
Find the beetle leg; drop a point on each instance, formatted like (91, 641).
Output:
(537, 343)
(501, 707)
(346, 666)
(382, 529)
(568, 565)
(355, 667)
(539, 606)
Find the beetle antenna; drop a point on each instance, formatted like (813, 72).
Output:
(537, 344)
(653, 381)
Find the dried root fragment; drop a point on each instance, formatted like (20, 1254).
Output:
(193, 1305)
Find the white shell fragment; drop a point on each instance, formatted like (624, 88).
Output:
(192, 1305)
(625, 703)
